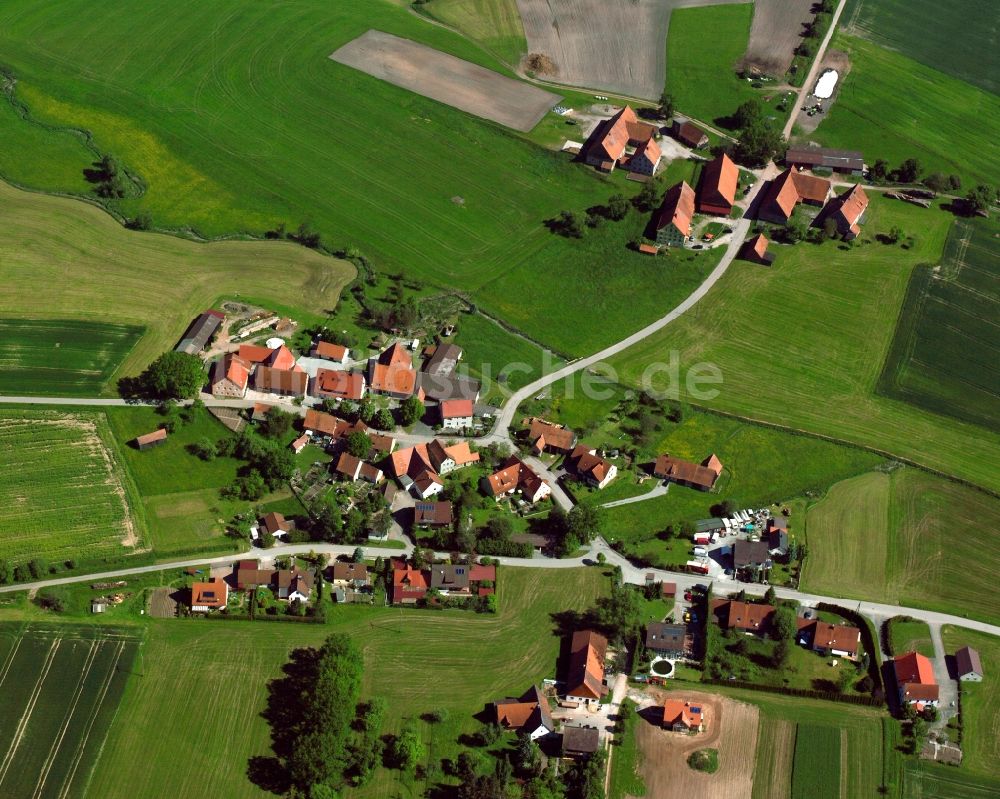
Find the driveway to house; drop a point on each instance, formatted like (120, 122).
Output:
(947, 687)
(811, 77)
(559, 496)
(658, 490)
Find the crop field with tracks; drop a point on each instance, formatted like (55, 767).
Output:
(65, 493)
(816, 770)
(776, 31)
(59, 692)
(61, 357)
(945, 355)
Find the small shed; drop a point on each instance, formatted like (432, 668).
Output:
(98, 605)
(755, 250)
(649, 249)
(150, 440)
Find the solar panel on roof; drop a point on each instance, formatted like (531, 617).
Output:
(695, 709)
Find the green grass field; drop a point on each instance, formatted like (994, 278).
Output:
(935, 781)
(65, 494)
(945, 354)
(703, 48)
(980, 703)
(65, 259)
(496, 24)
(199, 723)
(802, 344)
(894, 538)
(918, 30)
(61, 358)
(817, 764)
(60, 687)
(912, 636)
(895, 108)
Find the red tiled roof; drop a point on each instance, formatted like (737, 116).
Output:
(914, 668)
(332, 352)
(852, 205)
(587, 461)
(758, 245)
(397, 356)
(553, 435)
(615, 136)
(677, 208)
(149, 438)
(235, 370)
(348, 465)
(251, 353)
(212, 594)
(650, 149)
(586, 664)
(675, 710)
(478, 573)
(691, 134)
(718, 184)
(393, 379)
(456, 408)
(284, 381)
(668, 467)
(338, 383)
(324, 423)
(811, 188)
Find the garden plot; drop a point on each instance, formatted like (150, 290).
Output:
(447, 79)
(777, 30)
(64, 494)
(613, 45)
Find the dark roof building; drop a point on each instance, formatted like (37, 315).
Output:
(442, 387)
(444, 360)
(432, 514)
(686, 132)
(200, 331)
(849, 161)
(450, 577)
(968, 665)
(580, 741)
(665, 638)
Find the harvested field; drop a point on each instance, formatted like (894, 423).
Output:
(615, 46)
(732, 729)
(775, 749)
(162, 604)
(776, 31)
(447, 79)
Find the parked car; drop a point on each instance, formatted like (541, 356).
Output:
(688, 596)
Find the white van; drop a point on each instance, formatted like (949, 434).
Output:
(700, 552)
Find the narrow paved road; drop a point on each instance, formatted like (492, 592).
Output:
(947, 687)
(813, 70)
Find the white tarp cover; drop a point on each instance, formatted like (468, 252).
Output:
(824, 86)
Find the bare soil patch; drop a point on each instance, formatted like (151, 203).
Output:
(732, 729)
(833, 59)
(776, 31)
(162, 604)
(447, 79)
(613, 45)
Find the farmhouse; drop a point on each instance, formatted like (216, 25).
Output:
(338, 384)
(408, 585)
(608, 145)
(348, 466)
(580, 742)
(673, 223)
(687, 133)
(446, 459)
(285, 382)
(330, 352)
(968, 665)
(277, 358)
(443, 360)
(585, 675)
(665, 639)
(848, 211)
(717, 188)
(432, 514)
(751, 560)
(456, 414)
(788, 190)
(528, 715)
(915, 679)
(322, 424)
(701, 476)
(515, 475)
(210, 595)
(230, 377)
(850, 162)
(591, 468)
(744, 617)
(681, 716)
(150, 440)
(549, 437)
(755, 250)
(646, 158)
(839, 640)
(200, 332)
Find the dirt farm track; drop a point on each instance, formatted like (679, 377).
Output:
(612, 45)
(447, 79)
(775, 33)
(732, 729)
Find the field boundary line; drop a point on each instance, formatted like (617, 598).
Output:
(10, 660)
(82, 746)
(95, 646)
(28, 710)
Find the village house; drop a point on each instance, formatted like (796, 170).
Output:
(443, 360)
(211, 595)
(549, 437)
(285, 382)
(585, 675)
(230, 377)
(432, 514)
(456, 414)
(755, 250)
(338, 384)
(839, 640)
(850, 162)
(591, 468)
(381, 443)
(689, 134)
(681, 716)
(299, 444)
(409, 585)
(150, 440)
(666, 640)
(321, 425)
(848, 211)
(275, 524)
(751, 561)
(350, 575)
(392, 373)
(646, 158)
(417, 467)
(352, 468)
(449, 578)
(580, 742)
(745, 617)
(717, 187)
(673, 222)
(250, 576)
(609, 145)
(292, 584)
(777, 536)
(515, 475)
(529, 715)
(968, 665)
(201, 330)
(915, 679)
(446, 459)
(280, 357)
(676, 470)
(789, 189)
(336, 353)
